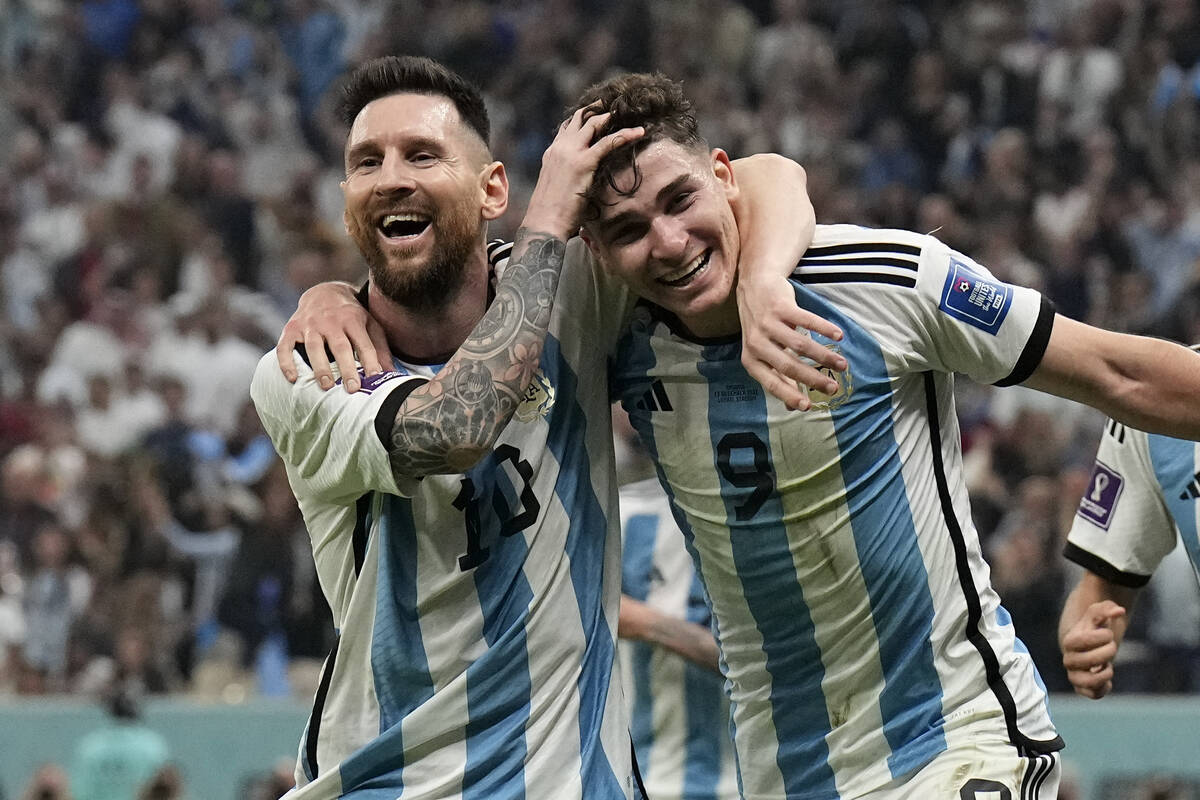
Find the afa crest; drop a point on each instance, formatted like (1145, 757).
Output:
(845, 381)
(538, 400)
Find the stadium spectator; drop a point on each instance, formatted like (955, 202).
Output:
(117, 760)
(117, 148)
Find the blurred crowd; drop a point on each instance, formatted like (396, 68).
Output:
(170, 187)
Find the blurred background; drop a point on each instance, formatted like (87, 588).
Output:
(169, 186)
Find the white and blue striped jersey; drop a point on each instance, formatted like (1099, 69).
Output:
(679, 712)
(476, 612)
(1143, 496)
(859, 632)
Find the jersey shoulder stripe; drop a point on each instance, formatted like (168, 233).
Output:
(850, 248)
(497, 251)
(873, 260)
(856, 277)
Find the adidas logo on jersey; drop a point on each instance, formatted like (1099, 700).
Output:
(1192, 492)
(655, 398)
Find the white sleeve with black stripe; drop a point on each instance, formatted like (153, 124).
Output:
(1122, 528)
(992, 331)
(930, 307)
(332, 441)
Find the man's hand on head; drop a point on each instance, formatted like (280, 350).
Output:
(556, 205)
(330, 316)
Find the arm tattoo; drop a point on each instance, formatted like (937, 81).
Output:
(448, 424)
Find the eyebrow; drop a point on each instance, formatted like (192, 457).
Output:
(417, 143)
(607, 225)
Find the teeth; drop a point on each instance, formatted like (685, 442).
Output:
(685, 270)
(390, 218)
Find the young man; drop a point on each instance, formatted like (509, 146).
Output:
(459, 504)
(866, 654)
(1143, 497)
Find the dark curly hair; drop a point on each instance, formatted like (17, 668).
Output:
(390, 75)
(652, 101)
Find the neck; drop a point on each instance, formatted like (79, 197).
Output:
(431, 335)
(715, 323)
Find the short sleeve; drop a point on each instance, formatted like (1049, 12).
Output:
(975, 324)
(1122, 528)
(331, 440)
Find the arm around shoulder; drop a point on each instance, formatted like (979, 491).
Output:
(776, 222)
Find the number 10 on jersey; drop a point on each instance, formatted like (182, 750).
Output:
(476, 501)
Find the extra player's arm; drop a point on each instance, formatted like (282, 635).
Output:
(643, 623)
(1090, 630)
(776, 221)
(1151, 384)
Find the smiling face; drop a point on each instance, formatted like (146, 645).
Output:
(674, 240)
(417, 196)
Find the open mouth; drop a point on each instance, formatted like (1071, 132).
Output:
(403, 226)
(688, 272)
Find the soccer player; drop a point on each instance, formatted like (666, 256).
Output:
(1142, 498)
(866, 654)
(679, 712)
(459, 502)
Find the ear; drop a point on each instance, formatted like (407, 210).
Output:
(723, 171)
(345, 209)
(494, 185)
(590, 242)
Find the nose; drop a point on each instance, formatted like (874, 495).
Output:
(668, 238)
(394, 177)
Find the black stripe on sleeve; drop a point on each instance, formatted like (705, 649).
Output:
(861, 261)
(991, 663)
(859, 248)
(1094, 563)
(314, 719)
(856, 277)
(1035, 348)
(498, 250)
(386, 417)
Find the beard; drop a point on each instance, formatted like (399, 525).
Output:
(428, 284)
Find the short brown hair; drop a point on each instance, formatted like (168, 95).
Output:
(651, 101)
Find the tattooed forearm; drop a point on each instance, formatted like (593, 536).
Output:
(451, 422)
